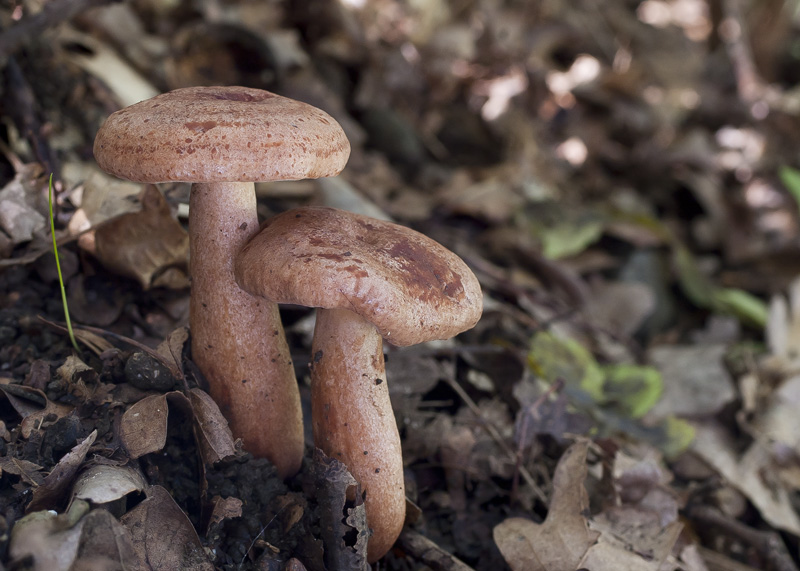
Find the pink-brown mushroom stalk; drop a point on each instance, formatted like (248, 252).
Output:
(372, 280)
(223, 139)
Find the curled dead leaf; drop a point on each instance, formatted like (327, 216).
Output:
(104, 483)
(163, 535)
(142, 245)
(339, 493)
(32, 405)
(61, 477)
(143, 429)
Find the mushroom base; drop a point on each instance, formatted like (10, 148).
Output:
(237, 339)
(353, 421)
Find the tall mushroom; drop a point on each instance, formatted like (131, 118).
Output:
(223, 139)
(371, 280)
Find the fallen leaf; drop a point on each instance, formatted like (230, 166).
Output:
(213, 435)
(172, 347)
(19, 216)
(28, 471)
(48, 539)
(105, 545)
(99, 60)
(632, 390)
(569, 238)
(141, 245)
(61, 477)
(103, 483)
(561, 541)
(747, 474)
(343, 515)
(613, 552)
(143, 427)
(224, 508)
(695, 379)
(620, 307)
(32, 405)
(163, 536)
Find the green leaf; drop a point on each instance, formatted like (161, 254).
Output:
(553, 358)
(790, 178)
(633, 389)
(703, 293)
(569, 238)
(694, 283)
(679, 435)
(741, 304)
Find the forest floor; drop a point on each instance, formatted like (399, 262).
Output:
(620, 176)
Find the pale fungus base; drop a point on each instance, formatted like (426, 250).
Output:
(353, 420)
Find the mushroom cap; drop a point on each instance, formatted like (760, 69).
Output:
(410, 287)
(220, 134)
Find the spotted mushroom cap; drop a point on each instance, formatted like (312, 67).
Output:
(220, 134)
(410, 287)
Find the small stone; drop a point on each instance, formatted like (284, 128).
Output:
(144, 372)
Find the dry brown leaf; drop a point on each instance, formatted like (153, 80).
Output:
(224, 508)
(102, 483)
(620, 307)
(61, 477)
(105, 544)
(213, 435)
(141, 245)
(19, 214)
(630, 541)
(48, 539)
(561, 541)
(27, 471)
(493, 198)
(749, 473)
(101, 61)
(163, 535)
(339, 493)
(172, 347)
(143, 428)
(32, 405)
(696, 381)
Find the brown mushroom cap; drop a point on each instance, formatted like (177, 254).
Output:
(220, 134)
(410, 287)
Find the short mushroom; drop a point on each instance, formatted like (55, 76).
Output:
(223, 139)
(372, 280)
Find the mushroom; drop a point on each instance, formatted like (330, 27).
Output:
(223, 139)
(372, 280)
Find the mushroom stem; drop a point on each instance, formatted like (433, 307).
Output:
(237, 339)
(353, 421)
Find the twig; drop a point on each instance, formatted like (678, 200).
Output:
(749, 84)
(768, 544)
(21, 105)
(530, 410)
(426, 551)
(52, 13)
(492, 431)
(132, 342)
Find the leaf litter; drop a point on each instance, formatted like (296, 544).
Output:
(622, 181)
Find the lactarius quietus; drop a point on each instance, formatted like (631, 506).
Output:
(223, 139)
(371, 280)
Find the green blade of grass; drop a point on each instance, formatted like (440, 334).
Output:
(58, 265)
